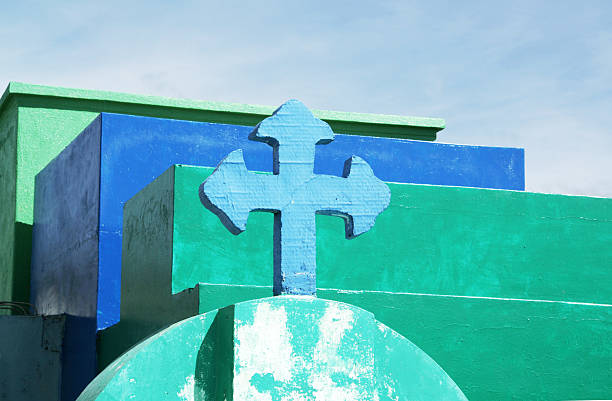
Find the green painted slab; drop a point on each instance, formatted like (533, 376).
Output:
(432, 240)
(494, 349)
(501, 305)
(10, 284)
(37, 122)
(498, 349)
(286, 348)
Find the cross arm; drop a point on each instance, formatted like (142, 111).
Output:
(358, 197)
(232, 192)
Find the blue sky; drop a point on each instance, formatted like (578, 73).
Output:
(527, 74)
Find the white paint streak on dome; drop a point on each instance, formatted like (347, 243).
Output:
(186, 393)
(262, 348)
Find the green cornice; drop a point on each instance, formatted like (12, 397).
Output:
(29, 95)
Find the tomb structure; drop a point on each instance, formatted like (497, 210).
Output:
(151, 235)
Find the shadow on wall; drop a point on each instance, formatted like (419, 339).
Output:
(214, 374)
(22, 260)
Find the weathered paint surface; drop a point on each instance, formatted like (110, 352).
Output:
(434, 240)
(163, 307)
(37, 122)
(8, 154)
(294, 193)
(38, 361)
(30, 352)
(383, 125)
(285, 348)
(65, 238)
(475, 228)
(537, 349)
(136, 150)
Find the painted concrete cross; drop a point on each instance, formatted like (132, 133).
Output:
(294, 194)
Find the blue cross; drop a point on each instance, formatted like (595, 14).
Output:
(294, 194)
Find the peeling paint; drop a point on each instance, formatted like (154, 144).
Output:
(288, 348)
(262, 348)
(329, 363)
(187, 392)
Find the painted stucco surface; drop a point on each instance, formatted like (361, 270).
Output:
(498, 314)
(65, 237)
(285, 348)
(438, 240)
(539, 350)
(163, 308)
(37, 135)
(31, 352)
(42, 120)
(42, 134)
(8, 152)
(39, 361)
(294, 193)
(135, 150)
(49, 118)
(505, 350)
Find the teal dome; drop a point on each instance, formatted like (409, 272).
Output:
(287, 348)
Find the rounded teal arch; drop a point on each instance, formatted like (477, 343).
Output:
(286, 348)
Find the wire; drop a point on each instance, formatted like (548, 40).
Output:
(23, 307)
(29, 305)
(13, 308)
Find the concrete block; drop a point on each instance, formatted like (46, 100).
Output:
(281, 348)
(38, 122)
(477, 263)
(538, 349)
(431, 239)
(80, 195)
(45, 358)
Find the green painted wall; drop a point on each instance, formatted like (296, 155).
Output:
(37, 122)
(505, 350)
(43, 134)
(494, 349)
(438, 240)
(8, 153)
(507, 290)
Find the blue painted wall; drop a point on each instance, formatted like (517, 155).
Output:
(135, 150)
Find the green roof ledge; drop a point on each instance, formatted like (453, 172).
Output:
(381, 125)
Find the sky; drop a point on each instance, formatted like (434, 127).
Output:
(529, 74)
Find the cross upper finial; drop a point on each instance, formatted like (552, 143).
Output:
(294, 194)
(292, 122)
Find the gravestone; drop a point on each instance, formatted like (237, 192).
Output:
(506, 267)
(284, 348)
(37, 122)
(288, 347)
(76, 251)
